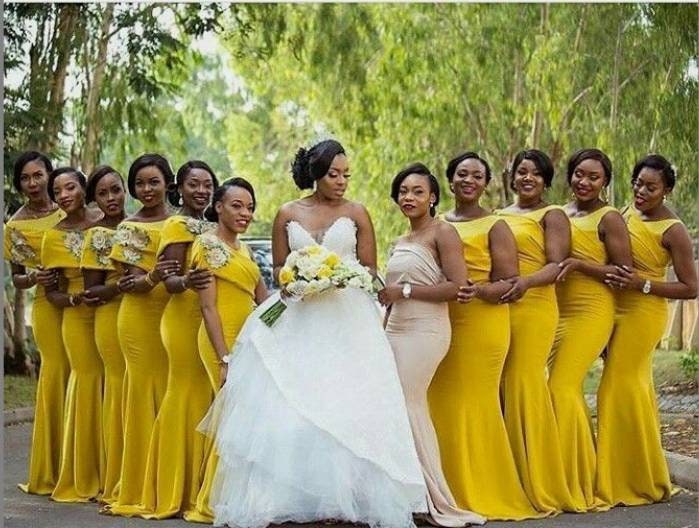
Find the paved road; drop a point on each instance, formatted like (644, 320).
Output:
(28, 511)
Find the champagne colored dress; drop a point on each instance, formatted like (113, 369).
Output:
(586, 318)
(528, 410)
(98, 245)
(177, 450)
(23, 246)
(236, 275)
(631, 466)
(464, 396)
(82, 459)
(138, 327)
(419, 333)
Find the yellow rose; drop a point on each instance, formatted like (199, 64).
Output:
(325, 272)
(286, 275)
(314, 250)
(332, 260)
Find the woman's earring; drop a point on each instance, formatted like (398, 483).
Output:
(603, 194)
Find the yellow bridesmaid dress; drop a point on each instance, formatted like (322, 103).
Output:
(464, 396)
(631, 466)
(98, 244)
(586, 318)
(236, 275)
(23, 246)
(138, 327)
(177, 450)
(528, 410)
(82, 459)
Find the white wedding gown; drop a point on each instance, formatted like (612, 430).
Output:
(311, 423)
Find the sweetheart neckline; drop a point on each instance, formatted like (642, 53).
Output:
(325, 232)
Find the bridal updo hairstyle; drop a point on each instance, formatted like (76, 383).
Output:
(210, 213)
(417, 168)
(173, 191)
(312, 164)
(79, 177)
(149, 160)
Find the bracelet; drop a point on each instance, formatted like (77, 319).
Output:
(31, 277)
(71, 300)
(149, 281)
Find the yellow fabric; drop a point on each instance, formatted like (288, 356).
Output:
(464, 396)
(236, 281)
(631, 466)
(138, 324)
(527, 406)
(82, 460)
(177, 451)
(586, 318)
(47, 435)
(96, 249)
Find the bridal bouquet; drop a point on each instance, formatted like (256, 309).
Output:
(312, 270)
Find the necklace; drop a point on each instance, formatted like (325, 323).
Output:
(38, 213)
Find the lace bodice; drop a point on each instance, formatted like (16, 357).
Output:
(340, 237)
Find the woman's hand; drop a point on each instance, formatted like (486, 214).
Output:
(198, 279)
(223, 374)
(90, 299)
(467, 293)
(568, 266)
(624, 278)
(164, 268)
(126, 283)
(47, 277)
(390, 294)
(520, 285)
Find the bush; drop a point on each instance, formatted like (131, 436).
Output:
(689, 361)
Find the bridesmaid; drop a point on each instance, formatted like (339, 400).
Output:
(23, 235)
(177, 450)
(465, 393)
(227, 301)
(631, 467)
(599, 240)
(134, 251)
(105, 187)
(542, 233)
(424, 271)
(82, 458)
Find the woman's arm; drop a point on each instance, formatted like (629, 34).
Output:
(56, 293)
(280, 240)
(96, 287)
(366, 239)
(557, 247)
(21, 278)
(504, 264)
(213, 325)
(613, 232)
(677, 240)
(261, 292)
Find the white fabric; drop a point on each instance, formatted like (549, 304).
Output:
(311, 423)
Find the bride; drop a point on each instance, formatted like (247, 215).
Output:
(311, 423)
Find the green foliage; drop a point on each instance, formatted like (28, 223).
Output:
(689, 361)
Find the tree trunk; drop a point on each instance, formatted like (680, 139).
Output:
(16, 359)
(92, 122)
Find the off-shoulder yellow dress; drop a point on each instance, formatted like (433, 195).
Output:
(177, 450)
(586, 319)
(631, 467)
(98, 245)
(82, 458)
(23, 246)
(236, 275)
(528, 410)
(464, 396)
(138, 326)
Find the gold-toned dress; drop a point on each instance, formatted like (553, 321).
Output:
(138, 327)
(464, 396)
(586, 319)
(631, 466)
(236, 274)
(23, 246)
(98, 245)
(82, 459)
(527, 406)
(177, 451)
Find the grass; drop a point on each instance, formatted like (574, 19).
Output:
(666, 370)
(19, 391)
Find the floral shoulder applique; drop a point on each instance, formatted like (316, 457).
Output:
(133, 241)
(198, 227)
(20, 249)
(101, 245)
(73, 242)
(216, 252)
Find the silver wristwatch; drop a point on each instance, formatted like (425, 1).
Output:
(646, 287)
(407, 290)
